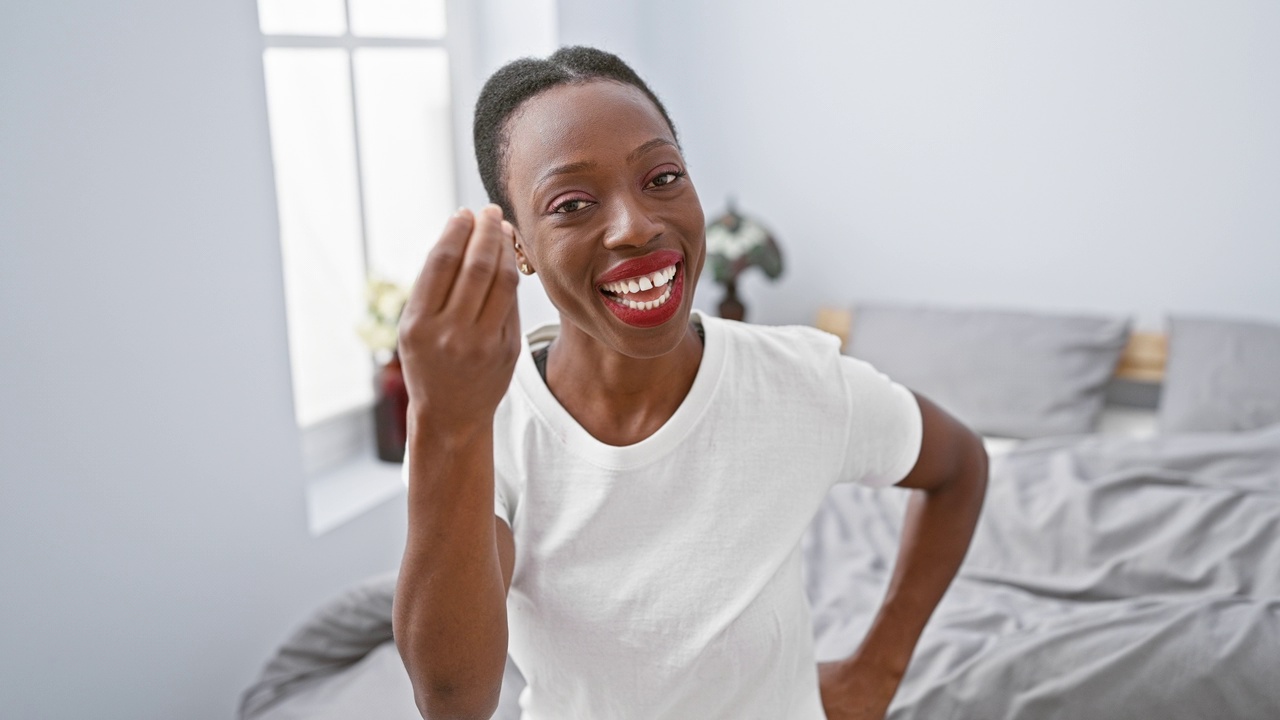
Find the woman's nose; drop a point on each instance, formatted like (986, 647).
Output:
(633, 223)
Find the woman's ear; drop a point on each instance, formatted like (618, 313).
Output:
(522, 260)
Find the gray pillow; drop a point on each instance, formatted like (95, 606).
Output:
(1011, 374)
(1221, 376)
(335, 637)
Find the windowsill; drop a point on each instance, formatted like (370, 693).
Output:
(350, 489)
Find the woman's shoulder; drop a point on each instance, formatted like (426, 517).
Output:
(786, 339)
(794, 353)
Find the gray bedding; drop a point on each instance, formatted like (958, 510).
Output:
(1109, 578)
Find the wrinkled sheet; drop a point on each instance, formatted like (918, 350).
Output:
(1108, 578)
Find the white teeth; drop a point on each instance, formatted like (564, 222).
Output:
(644, 282)
(650, 305)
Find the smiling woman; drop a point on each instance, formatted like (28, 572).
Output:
(600, 195)
(651, 470)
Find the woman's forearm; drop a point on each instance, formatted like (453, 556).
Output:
(936, 533)
(450, 605)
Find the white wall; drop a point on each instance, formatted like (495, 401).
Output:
(1117, 157)
(614, 26)
(153, 538)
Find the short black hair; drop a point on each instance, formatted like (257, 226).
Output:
(514, 83)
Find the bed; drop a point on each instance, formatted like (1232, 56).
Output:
(1127, 563)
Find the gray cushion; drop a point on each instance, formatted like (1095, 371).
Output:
(1011, 374)
(1222, 376)
(335, 637)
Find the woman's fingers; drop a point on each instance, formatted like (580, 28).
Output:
(502, 294)
(479, 266)
(431, 290)
(471, 272)
(457, 367)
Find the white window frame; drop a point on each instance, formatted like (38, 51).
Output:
(332, 447)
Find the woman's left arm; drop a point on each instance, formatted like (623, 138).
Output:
(948, 481)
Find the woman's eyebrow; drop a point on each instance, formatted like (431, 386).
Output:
(563, 170)
(574, 167)
(646, 147)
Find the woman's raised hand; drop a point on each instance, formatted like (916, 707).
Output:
(460, 328)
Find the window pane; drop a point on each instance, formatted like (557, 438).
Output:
(302, 17)
(313, 145)
(398, 18)
(406, 154)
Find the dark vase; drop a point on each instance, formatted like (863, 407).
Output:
(391, 411)
(730, 307)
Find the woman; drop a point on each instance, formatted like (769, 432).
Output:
(652, 470)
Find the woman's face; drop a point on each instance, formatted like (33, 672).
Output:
(607, 214)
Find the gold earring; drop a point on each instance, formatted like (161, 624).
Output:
(524, 265)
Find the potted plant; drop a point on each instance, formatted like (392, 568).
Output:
(379, 330)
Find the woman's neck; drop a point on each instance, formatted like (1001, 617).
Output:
(618, 399)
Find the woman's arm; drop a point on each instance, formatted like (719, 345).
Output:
(948, 481)
(459, 338)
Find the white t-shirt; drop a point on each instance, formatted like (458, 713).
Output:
(662, 580)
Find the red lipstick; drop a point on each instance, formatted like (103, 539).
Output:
(632, 308)
(652, 262)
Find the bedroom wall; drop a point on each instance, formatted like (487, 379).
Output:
(1117, 157)
(153, 537)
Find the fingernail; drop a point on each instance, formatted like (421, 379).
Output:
(462, 211)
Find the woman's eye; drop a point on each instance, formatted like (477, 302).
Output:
(569, 206)
(666, 178)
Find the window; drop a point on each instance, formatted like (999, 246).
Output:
(359, 103)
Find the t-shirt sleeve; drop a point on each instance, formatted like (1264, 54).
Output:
(506, 489)
(884, 426)
(504, 505)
